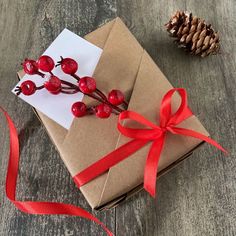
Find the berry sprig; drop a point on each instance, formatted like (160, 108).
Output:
(86, 85)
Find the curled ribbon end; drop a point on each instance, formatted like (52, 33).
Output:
(152, 192)
(225, 152)
(222, 149)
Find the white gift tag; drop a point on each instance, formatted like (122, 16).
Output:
(58, 107)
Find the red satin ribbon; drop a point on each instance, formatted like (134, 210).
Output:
(36, 207)
(140, 137)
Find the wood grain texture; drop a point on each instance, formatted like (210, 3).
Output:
(27, 28)
(196, 198)
(199, 196)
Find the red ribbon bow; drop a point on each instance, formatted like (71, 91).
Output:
(140, 137)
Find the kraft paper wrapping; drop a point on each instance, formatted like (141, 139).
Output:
(126, 66)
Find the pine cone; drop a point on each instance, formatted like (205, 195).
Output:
(193, 34)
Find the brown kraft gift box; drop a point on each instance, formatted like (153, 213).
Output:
(126, 66)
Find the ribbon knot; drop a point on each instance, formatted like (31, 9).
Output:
(164, 129)
(153, 133)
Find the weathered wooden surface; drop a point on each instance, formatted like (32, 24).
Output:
(196, 198)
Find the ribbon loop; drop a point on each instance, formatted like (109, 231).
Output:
(183, 112)
(152, 133)
(136, 117)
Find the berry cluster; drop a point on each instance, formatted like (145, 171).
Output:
(86, 85)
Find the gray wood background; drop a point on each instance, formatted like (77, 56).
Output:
(196, 198)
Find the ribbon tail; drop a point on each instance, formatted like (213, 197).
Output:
(194, 134)
(36, 207)
(102, 165)
(13, 164)
(54, 208)
(150, 172)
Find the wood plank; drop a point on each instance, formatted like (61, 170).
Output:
(27, 28)
(199, 196)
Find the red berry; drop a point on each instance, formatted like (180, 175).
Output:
(30, 67)
(53, 85)
(28, 87)
(79, 109)
(68, 65)
(87, 84)
(103, 110)
(45, 63)
(116, 97)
